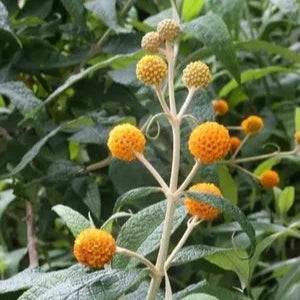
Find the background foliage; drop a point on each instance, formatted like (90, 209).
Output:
(67, 75)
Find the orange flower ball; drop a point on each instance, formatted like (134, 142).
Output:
(252, 125)
(269, 179)
(209, 142)
(94, 247)
(220, 106)
(124, 140)
(201, 210)
(234, 143)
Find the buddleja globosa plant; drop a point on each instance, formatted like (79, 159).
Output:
(136, 260)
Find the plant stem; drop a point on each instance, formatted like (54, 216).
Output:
(170, 59)
(239, 148)
(31, 238)
(99, 165)
(140, 258)
(162, 100)
(186, 103)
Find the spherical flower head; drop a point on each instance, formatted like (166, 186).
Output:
(201, 210)
(94, 247)
(252, 125)
(220, 106)
(297, 137)
(209, 142)
(124, 140)
(234, 143)
(269, 179)
(151, 70)
(151, 42)
(196, 75)
(168, 30)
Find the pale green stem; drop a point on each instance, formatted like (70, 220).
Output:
(162, 100)
(186, 102)
(239, 148)
(99, 165)
(234, 127)
(138, 257)
(170, 59)
(245, 171)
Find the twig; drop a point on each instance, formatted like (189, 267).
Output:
(99, 165)
(239, 148)
(31, 238)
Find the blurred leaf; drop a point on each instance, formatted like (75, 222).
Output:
(135, 194)
(259, 45)
(74, 220)
(155, 19)
(142, 232)
(267, 165)
(297, 119)
(106, 12)
(200, 296)
(250, 75)
(76, 9)
(191, 9)
(6, 197)
(287, 6)
(92, 199)
(213, 33)
(226, 206)
(20, 96)
(285, 200)
(227, 184)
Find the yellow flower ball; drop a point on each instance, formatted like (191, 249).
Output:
(269, 179)
(151, 70)
(94, 247)
(220, 106)
(234, 143)
(201, 210)
(151, 42)
(297, 137)
(124, 140)
(209, 142)
(196, 75)
(252, 125)
(168, 30)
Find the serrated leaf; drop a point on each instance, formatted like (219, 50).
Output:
(259, 45)
(226, 206)
(135, 194)
(285, 200)
(142, 232)
(227, 184)
(266, 165)
(191, 9)
(73, 219)
(250, 75)
(213, 33)
(20, 96)
(106, 12)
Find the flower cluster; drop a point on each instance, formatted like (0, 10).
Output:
(269, 179)
(220, 106)
(252, 125)
(94, 247)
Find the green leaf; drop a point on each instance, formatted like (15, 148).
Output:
(191, 9)
(21, 281)
(155, 19)
(227, 184)
(135, 194)
(297, 119)
(6, 31)
(74, 220)
(6, 197)
(266, 165)
(142, 232)
(250, 75)
(287, 6)
(200, 296)
(226, 206)
(76, 9)
(20, 96)
(106, 12)
(285, 200)
(31, 154)
(259, 45)
(213, 290)
(213, 33)
(92, 199)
